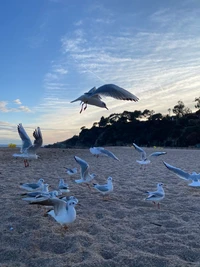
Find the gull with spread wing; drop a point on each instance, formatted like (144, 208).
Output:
(84, 168)
(156, 196)
(93, 96)
(28, 150)
(144, 158)
(63, 212)
(97, 151)
(194, 177)
(71, 171)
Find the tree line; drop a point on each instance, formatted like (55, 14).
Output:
(145, 128)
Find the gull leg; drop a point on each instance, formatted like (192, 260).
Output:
(81, 107)
(158, 205)
(85, 106)
(88, 186)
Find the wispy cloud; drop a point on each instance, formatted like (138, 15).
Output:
(17, 101)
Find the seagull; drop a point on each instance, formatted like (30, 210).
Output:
(144, 159)
(28, 150)
(45, 189)
(85, 176)
(63, 212)
(97, 151)
(93, 96)
(63, 187)
(105, 189)
(194, 177)
(33, 186)
(41, 196)
(156, 196)
(71, 171)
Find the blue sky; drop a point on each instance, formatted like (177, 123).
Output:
(52, 51)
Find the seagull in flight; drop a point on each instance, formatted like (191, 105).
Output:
(97, 151)
(84, 167)
(156, 196)
(194, 177)
(144, 158)
(93, 96)
(28, 150)
(71, 171)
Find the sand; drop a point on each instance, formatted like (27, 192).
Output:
(124, 231)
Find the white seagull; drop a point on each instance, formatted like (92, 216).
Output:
(62, 186)
(97, 151)
(144, 158)
(63, 212)
(194, 177)
(93, 96)
(44, 189)
(156, 196)
(33, 186)
(84, 168)
(71, 171)
(105, 189)
(28, 150)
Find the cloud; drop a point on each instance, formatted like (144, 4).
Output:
(17, 101)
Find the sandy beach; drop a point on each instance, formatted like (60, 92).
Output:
(124, 231)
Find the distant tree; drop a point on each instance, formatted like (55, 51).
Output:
(198, 102)
(103, 122)
(180, 110)
(95, 124)
(157, 116)
(147, 113)
(82, 128)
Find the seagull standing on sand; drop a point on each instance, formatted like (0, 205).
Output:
(62, 186)
(156, 196)
(71, 171)
(33, 186)
(28, 150)
(84, 167)
(63, 212)
(144, 159)
(97, 151)
(194, 177)
(105, 189)
(92, 97)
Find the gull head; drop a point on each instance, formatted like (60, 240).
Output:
(109, 178)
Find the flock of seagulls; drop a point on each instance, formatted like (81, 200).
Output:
(62, 207)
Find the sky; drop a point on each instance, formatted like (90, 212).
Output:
(53, 51)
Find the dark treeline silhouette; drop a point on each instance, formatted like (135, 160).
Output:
(145, 128)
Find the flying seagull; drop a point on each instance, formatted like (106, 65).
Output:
(97, 151)
(85, 176)
(28, 150)
(93, 96)
(194, 177)
(144, 158)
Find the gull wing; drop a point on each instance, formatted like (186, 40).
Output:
(37, 134)
(57, 203)
(156, 154)
(180, 173)
(155, 195)
(26, 141)
(84, 167)
(114, 91)
(102, 188)
(107, 153)
(139, 149)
